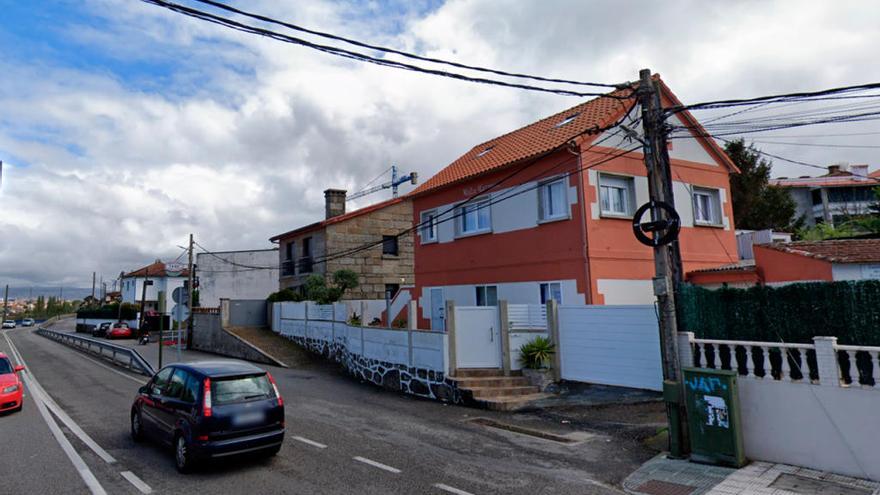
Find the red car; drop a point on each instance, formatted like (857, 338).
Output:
(11, 387)
(120, 330)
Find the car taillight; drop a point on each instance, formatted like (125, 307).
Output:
(206, 404)
(275, 387)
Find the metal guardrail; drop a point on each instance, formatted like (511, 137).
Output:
(119, 355)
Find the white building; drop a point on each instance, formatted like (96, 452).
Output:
(846, 190)
(162, 280)
(249, 274)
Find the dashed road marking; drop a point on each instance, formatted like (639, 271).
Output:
(376, 464)
(451, 489)
(310, 442)
(137, 482)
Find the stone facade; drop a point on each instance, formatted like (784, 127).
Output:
(396, 377)
(351, 231)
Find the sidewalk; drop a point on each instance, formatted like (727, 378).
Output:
(662, 476)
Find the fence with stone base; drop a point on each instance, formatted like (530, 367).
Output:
(410, 361)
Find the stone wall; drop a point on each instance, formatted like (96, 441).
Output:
(375, 269)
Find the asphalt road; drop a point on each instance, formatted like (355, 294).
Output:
(343, 437)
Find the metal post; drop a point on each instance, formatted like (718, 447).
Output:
(189, 301)
(659, 185)
(5, 301)
(161, 298)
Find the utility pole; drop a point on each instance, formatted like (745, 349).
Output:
(119, 316)
(5, 301)
(93, 286)
(189, 300)
(146, 282)
(667, 263)
(161, 300)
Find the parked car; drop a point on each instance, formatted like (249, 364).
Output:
(101, 330)
(120, 330)
(28, 322)
(8, 323)
(10, 385)
(210, 409)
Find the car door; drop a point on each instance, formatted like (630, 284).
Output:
(150, 407)
(180, 400)
(166, 402)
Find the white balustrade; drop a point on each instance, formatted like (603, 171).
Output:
(784, 371)
(875, 366)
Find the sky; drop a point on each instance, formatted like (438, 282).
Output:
(124, 127)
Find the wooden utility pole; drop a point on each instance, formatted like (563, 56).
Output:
(667, 261)
(189, 300)
(93, 286)
(5, 302)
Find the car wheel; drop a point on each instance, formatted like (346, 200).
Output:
(137, 427)
(182, 455)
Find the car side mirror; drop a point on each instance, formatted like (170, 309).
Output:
(18, 369)
(144, 389)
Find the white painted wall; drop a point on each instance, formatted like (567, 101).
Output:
(219, 279)
(610, 345)
(618, 291)
(512, 292)
(855, 271)
(132, 288)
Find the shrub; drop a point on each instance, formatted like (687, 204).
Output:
(537, 353)
(284, 295)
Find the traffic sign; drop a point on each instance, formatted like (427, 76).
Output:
(179, 313)
(180, 295)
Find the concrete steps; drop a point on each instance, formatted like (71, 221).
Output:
(490, 389)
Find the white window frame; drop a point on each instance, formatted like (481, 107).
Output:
(544, 204)
(548, 287)
(430, 229)
(715, 214)
(473, 207)
(620, 182)
(486, 299)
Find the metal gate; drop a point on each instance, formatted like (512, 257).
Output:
(611, 345)
(477, 337)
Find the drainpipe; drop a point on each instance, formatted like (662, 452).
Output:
(574, 149)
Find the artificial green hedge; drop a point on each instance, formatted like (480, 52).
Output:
(792, 313)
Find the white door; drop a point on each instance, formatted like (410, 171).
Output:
(438, 309)
(610, 345)
(477, 337)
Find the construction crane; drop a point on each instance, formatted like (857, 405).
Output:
(395, 181)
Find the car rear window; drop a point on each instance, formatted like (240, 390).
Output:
(240, 389)
(5, 366)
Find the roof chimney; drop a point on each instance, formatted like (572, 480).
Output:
(833, 169)
(334, 203)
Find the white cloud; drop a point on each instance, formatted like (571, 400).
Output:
(237, 142)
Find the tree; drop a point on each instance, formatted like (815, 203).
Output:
(757, 205)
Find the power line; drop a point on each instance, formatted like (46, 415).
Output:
(205, 251)
(771, 98)
(340, 52)
(819, 145)
(413, 56)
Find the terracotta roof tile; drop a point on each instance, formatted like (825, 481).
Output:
(833, 250)
(531, 141)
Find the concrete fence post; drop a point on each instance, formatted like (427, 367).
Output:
(553, 331)
(826, 361)
(686, 348)
(409, 344)
(450, 332)
(224, 312)
(412, 316)
(364, 321)
(306, 321)
(504, 318)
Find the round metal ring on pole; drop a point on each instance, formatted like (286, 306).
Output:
(664, 230)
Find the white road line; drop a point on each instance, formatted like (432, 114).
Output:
(377, 464)
(310, 442)
(451, 489)
(78, 463)
(137, 482)
(37, 390)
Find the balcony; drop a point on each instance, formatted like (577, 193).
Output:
(288, 268)
(305, 265)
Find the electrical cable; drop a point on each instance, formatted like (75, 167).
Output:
(362, 44)
(770, 98)
(205, 16)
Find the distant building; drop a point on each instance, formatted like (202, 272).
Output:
(161, 279)
(338, 242)
(844, 191)
(746, 239)
(249, 274)
(781, 263)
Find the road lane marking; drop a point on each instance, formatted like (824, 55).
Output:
(377, 464)
(78, 463)
(451, 489)
(310, 442)
(37, 390)
(137, 482)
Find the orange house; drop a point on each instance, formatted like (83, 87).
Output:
(551, 214)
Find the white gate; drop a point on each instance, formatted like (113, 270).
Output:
(611, 345)
(477, 337)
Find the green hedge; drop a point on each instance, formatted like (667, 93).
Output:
(792, 313)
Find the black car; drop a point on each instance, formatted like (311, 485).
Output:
(210, 409)
(101, 330)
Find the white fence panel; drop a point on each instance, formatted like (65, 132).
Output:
(293, 310)
(386, 345)
(517, 339)
(527, 316)
(428, 350)
(611, 345)
(320, 311)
